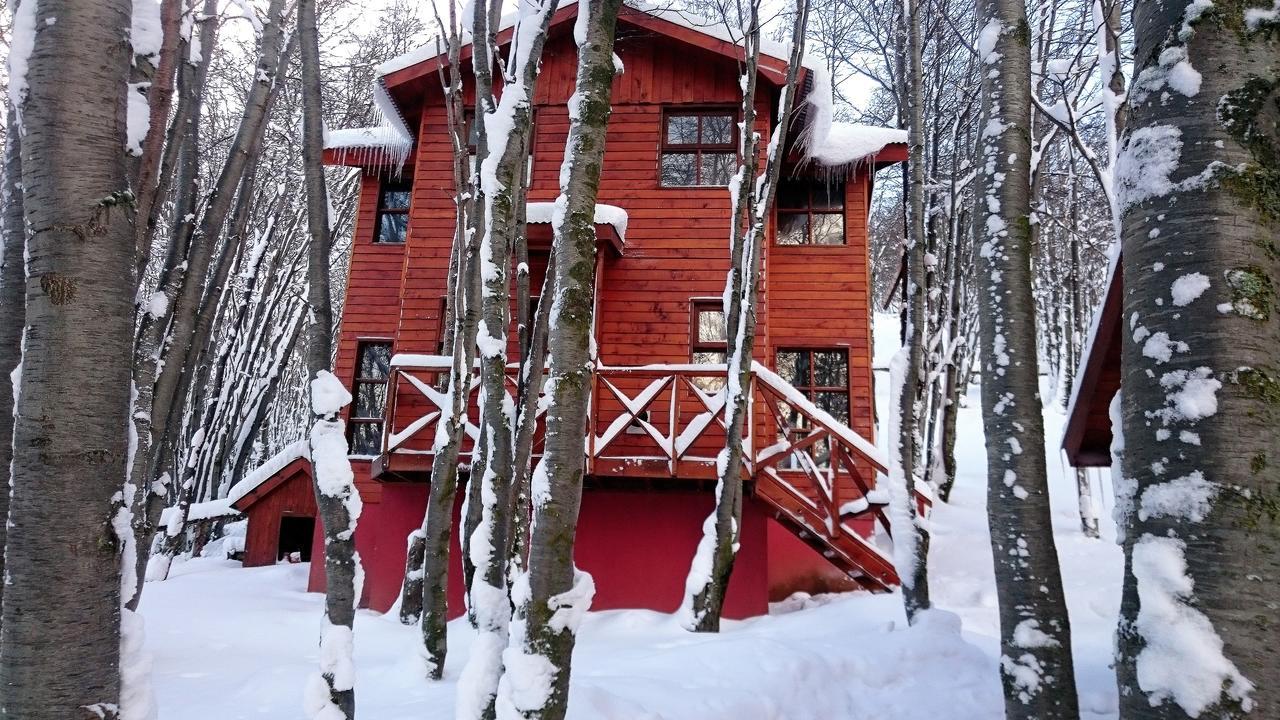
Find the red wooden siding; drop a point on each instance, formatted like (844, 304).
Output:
(290, 494)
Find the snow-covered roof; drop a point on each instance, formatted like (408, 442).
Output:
(264, 472)
(542, 212)
(711, 28)
(1091, 338)
(829, 143)
(389, 141)
(201, 511)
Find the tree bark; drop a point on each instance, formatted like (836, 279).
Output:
(331, 696)
(60, 637)
(1197, 503)
(912, 452)
(1036, 665)
(553, 595)
(712, 564)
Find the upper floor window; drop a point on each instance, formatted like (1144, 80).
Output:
(707, 343)
(393, 213)
(811, 213)
(698, 147)
(822, 375)
(473, 139)
(369, 397)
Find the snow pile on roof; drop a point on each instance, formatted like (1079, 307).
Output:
(833, 144)
(201, 511)
(542, 212)
(273, 465)
(387, 142)
(711, 28)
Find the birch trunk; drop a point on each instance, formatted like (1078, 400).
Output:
(501, 177)
(437, 522)
(553, 596)
(1036, 664)
(751, 197)
(60, 635)
(331, 696)
(1197, 504)
(914, 570)
(13, 238)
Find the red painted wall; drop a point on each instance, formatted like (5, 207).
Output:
(293, 496)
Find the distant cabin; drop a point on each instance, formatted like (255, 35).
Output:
(813, 519)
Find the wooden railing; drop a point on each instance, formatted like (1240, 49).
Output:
(668, 422)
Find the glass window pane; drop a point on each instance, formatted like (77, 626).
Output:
(717, 168)
(366, 438)
(678, 169)
(473, 130)
(395, 198)
(375, 361)
(708, 358)
(828, 229)
(793, 228)
(717, 129)
(792, 196)
(682, 129)
(788, 363)
(392, 227)
(710, 326)
(830, 369)
(837, 404)
(371, 400)
(828, 195)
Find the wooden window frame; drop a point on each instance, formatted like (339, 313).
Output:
(357, 382)
(809, 212)
(697, 306)
(469, 118)
(383, 187)
(698, 148)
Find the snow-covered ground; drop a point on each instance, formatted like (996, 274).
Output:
(231, 642)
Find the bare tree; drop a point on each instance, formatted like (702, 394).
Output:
(553, 596)
(332, 695)
(1036, 665)
(60, 637)
(752, 198)
(1196, 182)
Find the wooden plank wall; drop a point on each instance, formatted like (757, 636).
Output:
(676, 243)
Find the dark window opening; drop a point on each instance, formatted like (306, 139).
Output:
(296, 533)
(821, 375)
(369, 394)
(810, 213)
(393, 213)
(699, 147)
(472, 132)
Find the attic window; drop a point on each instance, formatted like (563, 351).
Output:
(393, 213)
(698, 147)
(810, 213)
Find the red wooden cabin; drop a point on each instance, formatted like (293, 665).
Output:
(812, 518)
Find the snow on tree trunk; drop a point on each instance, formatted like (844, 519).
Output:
(60, 640)
(751, 198)
(13, 236)
(501, 174)
(552, 597)
(909, 386)
(330, 694)
(1035, 664)
(1196, 184)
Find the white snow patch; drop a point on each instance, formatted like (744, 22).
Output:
(1189, 498)
(1187, 288)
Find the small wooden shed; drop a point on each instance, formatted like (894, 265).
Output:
(278, 501)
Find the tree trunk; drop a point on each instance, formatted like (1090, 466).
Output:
(331, 696)
(12, 303)
(912, 560)
(1201, 526)
(752, 197)
(1036, 664)
(553, 596)
(60, 640)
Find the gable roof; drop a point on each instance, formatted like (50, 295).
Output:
(824, 142)
(278, 468)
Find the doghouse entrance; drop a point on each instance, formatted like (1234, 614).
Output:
(295, 538)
